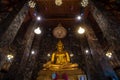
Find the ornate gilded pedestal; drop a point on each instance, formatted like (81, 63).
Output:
(71, 74)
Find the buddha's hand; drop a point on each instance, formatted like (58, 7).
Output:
(64, 65)
(47, 64)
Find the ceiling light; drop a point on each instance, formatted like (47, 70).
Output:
(86, 51)
(81, 30)
(109, 54)
(71, 55)
(79, 18)
(32, 52)
(10, 57)
(38, 18)
(48, 55)
(37, 31)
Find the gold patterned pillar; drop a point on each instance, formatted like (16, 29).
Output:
(9, 35)
(84, 46)
(102, 65)
(23, 46)
(91, 58)
(28, 41)
(109, 27)
(32, 60)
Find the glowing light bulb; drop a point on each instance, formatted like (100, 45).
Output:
(79, 18)
(81, 30)
(37, 31)
(38, 18)
(71, 55)
(32, 52)
(48, 55)
(10, 57)
(86, 51)
(109, 54)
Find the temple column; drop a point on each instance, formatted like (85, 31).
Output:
(9, 35)
(28, 40)
(84, 46)
(23, 46)
(99, 57)
(12, 30)
(6, 17)
(93, 68)
(109, 27)
(31, 63)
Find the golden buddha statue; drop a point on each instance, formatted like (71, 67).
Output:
(60, 60)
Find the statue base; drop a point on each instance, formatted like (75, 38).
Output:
(60, 75)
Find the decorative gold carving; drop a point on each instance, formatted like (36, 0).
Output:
(58, 2)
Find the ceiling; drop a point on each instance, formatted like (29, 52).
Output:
(53, 15)
(68, 9)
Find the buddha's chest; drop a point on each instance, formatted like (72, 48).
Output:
(60, 55)
(60, 58)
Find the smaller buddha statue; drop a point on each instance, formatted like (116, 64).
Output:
(60, 60)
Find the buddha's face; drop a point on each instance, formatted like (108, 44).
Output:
(59, 48)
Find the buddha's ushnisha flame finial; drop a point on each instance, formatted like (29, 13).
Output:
(60, 43)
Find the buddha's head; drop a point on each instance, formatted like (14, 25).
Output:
(60, 46)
